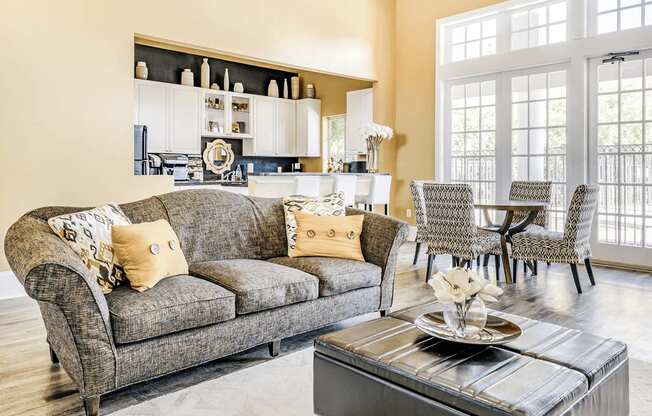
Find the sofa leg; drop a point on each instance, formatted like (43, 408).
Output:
(53, 356)
(274, 347)
(91, 405)
(383, 313)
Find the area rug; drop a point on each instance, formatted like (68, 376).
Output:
(283, 386)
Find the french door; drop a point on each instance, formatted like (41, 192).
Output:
(505, 127)
(620, 152)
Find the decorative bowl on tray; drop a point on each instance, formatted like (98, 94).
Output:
(496, 331)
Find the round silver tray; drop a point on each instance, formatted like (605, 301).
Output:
(497, 331)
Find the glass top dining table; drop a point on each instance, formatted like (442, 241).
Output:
(508, 228)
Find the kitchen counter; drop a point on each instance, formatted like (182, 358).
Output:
(278, 185)
(317, 174)
(242, 184)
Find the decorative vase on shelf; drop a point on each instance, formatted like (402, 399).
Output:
(141, 70)
(310, 91)
(205, 74)
(214, 86)
(272, 89)
(374, 135)
(294, 82)
(286, 92)
(226, 79)
(238, 87)
(466, 319)
(187, 78)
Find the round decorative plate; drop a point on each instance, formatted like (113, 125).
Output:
(497, 331)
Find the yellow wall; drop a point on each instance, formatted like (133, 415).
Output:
(67, 89)
(415, 90)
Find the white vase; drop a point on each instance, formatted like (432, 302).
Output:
(294, 81)
(272, 89)
(238, 87)
(205, 74)
(286, 93)
(141, 70)
(187, 78)
(214, 86)
(226, 79)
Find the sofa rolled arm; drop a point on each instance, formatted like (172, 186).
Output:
(57, 278)
(381, 239)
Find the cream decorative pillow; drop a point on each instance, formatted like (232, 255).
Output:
(329, 236)
(149, 252)
(332, 204)
(88, 233)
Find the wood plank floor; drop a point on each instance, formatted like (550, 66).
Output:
(620, 306)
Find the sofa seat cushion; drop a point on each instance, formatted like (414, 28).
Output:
(174, 304)
(335, 275)
(258, 284)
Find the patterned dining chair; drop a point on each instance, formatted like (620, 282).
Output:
(416, 187)
(572, 246)
(540, 191)
(450, 226)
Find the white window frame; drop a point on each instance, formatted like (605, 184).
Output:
(574, 54)
(593, 15)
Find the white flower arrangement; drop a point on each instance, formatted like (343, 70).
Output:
(460, 285)
(377, 132)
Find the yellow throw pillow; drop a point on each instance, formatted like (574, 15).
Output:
(328, 236)
(148, 252)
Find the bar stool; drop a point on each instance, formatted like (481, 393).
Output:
(379, 190)
(307, 185)
(346, 184)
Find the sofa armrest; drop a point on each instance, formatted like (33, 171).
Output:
(55, 276)
(381, 239)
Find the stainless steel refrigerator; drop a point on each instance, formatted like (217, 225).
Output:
(141, 163)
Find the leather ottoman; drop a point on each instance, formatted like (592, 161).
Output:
(389, 367)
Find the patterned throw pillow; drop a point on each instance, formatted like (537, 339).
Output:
(332, 204)
(88, 233)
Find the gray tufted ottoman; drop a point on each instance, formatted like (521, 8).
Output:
(388, 367)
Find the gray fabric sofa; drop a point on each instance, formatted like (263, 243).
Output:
(242, 290)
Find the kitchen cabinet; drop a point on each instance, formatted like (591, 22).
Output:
(275, 128)
(308, 127)
(285, 127)
(171, 114)
(152, 111)
(359, 112)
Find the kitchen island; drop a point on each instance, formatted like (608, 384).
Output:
(274, 185)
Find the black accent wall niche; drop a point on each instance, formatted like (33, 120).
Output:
(166, 66)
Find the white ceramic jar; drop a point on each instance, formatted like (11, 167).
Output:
(187, 78)
(141, 70)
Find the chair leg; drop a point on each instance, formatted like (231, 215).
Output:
(477, 262)
(548, 263)
(431, 258)
(514, 269)
(497, 265)
(383, 313)
(589, 270)
(416, 254)
(536, 267)
(453, 261)
(53, 356)
(576, 278)
(274, 347)
(91, 405)
(485, 260)
(386, 209)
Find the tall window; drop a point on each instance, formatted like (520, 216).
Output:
(335, 133)
(539, 135)
(473, 137)
(624, 136)
(540, 25)
(616, 15)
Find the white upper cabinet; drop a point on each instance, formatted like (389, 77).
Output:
(152, 111)
(359, 111)
(285, 128)
(184, 119)
(264, 143)
(308, 133)
(171, 114)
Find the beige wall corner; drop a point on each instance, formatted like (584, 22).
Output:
(415, 90)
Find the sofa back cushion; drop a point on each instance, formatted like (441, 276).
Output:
(222, 225)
